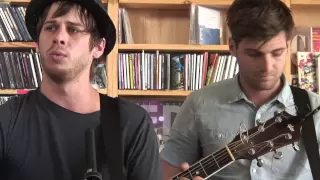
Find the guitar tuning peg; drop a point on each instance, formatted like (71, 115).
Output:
(278, 119)
(277, 154)
(259, 122)
(259, 162)
(288, 136)
(295, 147)
(276, 113)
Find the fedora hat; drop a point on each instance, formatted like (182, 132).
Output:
(105, 25)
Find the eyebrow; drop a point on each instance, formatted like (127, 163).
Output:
(68, 22)
(256, 50)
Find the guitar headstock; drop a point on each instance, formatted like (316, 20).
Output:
(279, 131)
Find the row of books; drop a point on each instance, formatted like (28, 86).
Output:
(12, 23)
(305, 39)
(153, 71)
(4, 99)
(305, 57)
(164, 71)
(19, 70)
(308, 71)
(99, 79)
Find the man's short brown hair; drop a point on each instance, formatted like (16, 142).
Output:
(259, 20)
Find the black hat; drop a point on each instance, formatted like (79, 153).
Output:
(95, 7)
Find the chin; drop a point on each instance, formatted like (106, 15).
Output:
(57, 70)
(265, 86)
(57, 74)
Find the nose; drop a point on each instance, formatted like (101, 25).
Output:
(60, 37)
(267, 64)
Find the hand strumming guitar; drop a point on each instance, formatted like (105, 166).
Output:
(184, 167)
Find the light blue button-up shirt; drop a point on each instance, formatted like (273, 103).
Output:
(210, 118)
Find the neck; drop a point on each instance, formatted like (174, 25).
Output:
(260, 97)
(77, 96)
(209, 165)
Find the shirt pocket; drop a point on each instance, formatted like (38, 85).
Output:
(213, 139)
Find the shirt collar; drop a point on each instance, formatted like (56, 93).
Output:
(236, 93)
(285, 93)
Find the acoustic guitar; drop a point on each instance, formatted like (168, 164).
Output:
(281, 130)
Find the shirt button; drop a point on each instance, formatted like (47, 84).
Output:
(258, 116)
(254, 170)
(259, 122)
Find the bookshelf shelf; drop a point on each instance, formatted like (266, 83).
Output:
(18, 45)
(13, 91)
(103, 91)
(173, 4)
(27, 1)
(23, 91)
(173, 47)
(16, 1)
(305, 2)
(174, 93)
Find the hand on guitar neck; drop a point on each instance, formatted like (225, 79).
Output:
(185, 167)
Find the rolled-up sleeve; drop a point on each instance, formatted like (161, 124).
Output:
(182, 144)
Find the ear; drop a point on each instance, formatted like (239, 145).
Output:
(232, 46)
(99, 48)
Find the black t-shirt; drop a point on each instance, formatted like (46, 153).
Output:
(42, 140)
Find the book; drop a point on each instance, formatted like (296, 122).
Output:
(205, 25)
(308, 70)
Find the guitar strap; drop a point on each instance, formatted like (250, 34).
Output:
(302, 101)
(112, 137)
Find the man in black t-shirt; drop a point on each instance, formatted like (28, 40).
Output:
(42, 133)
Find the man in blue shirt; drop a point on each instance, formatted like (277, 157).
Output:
(209, 118)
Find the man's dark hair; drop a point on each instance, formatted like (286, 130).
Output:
(259, 20)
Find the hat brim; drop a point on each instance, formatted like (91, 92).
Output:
(104, 23)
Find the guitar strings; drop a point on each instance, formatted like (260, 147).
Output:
(218, 158)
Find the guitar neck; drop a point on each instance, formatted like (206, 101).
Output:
(209, 165)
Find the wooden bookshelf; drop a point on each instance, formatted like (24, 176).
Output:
(18, 45)
(306, 15)
(15, 1)
(171, 93)
(173, 47)
(23, 91)
(27, 1)
(13, 91)
(103, 91)
(164, 26)
(172, 4)
(305, 2)
(158, 25)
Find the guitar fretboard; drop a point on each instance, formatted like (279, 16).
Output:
(209, 165)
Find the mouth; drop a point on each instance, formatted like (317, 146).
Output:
(58, 54)
(265, 78)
